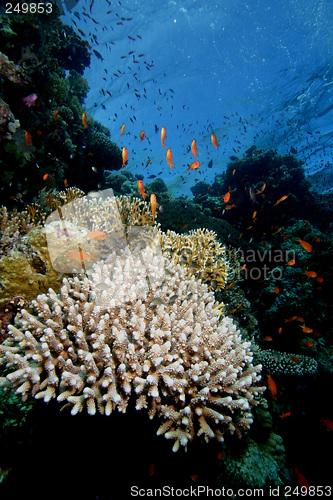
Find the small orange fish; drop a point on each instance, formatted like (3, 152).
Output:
(281, 199)
(285, 415)
(229, 207)
(169, 158)
(66, 183)
(153, 205)
(45, 176)
(319, 280)
(124, 155)
(267, 338)
(295, 359)
(328, 423)
(142, 189)
(230, 286)
(262, 189)
(27, 137)
(306, 329)
(147, 163)
(234, 171)
(97, 235)
(142, 135)
(254, 215)
(183, 227)
(291, 262)
(55, 116)
(271, 386)
(79, 255)
(226, 197)
(84, 120)
(122, 128)
(194, 148)
(276, 290)
(163, 136)
(280, 330)
(193, 166)
(311, 274)
(236, 308)
(308, 344)
(305, 245)
(214, 140)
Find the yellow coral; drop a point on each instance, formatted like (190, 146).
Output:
(200, 253)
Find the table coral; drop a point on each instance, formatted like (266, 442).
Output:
(137, 327)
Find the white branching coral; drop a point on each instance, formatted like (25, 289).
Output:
(137, 327)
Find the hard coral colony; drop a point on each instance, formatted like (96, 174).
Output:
(93, 348)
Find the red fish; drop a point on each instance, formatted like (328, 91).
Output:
(291, 262)
(305, 245)
(308, 344)
(45, 176)
(301, 479)
(124, 155)
(193, 166)
(27, 137)
(271, 386)
(163, 136)
(142, 189)
(169, 158)
(55, 116)
(153, 204)
(276, 290)
(328, 423)
(194, 148)
(84, 120)
(214, 140)
(285, 415)
(142, 135)
(30, 100)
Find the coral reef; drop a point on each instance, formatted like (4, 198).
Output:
(282, 363)
(114, 335)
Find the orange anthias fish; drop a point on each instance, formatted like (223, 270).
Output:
(27, 137)
(281, 199)
(124, 155)
(271, 386)
(260, 191)
(305, 245)
(153, 204)
(194, 148)
(55, 116)
(306, 329)
(308, 344)
(141, 189)
(291, 262)
(142, 135)
(193, 166)
(285, 415)
(311, 274)
(214, 140)
(97, 235)
(226, 197)
(84, 120)
(169, 158)
(122, 128)
(163, 136)
(79, 255)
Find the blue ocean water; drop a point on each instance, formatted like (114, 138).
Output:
(253, 72)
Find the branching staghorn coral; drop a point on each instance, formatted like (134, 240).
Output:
(13, 225)
(200, 252)
(137, 327)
